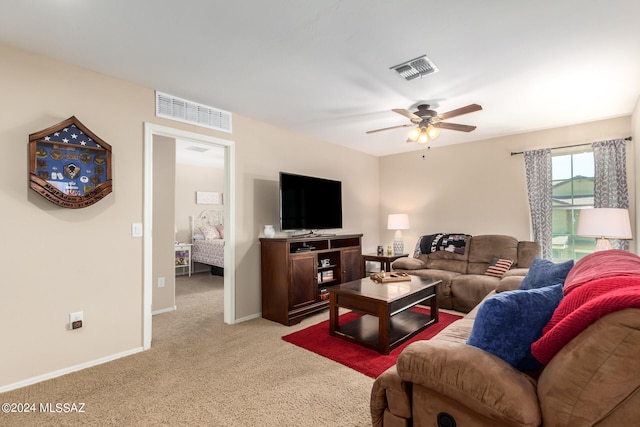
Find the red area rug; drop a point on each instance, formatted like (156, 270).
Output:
(316, 338)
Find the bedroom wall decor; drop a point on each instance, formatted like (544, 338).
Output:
(208, 198)
(69, 165)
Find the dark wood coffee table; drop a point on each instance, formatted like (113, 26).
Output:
(387, 319)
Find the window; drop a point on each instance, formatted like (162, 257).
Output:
(572, 191)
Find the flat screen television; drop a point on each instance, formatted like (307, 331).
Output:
(309, 203)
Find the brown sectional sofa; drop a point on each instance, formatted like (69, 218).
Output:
(464, 283)
(592, 380)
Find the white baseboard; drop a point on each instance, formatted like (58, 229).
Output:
(68, 370)
(164, 310)
(250, 317)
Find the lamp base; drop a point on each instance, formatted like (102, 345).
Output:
(398, 246)
(603, 244)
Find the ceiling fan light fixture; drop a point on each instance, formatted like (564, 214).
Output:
(415, 68)
(433, 132)
(414, 134)
(424, 136)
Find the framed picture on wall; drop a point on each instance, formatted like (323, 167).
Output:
(208, 198)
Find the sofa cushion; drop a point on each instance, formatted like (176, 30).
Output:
(468, 289)
(444, 288)
(545, 273)
(458, 331)
(482, 249)
(507, 324)
(445, 260)
(527, 251)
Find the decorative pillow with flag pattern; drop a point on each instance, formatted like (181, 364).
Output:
(498, 266)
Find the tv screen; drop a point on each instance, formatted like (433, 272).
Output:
(309, 203)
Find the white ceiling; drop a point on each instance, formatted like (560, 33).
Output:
(321, 67)
(199, 154)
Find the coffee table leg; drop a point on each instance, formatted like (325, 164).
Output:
(434, 308)
(333, 314)
(384, 329)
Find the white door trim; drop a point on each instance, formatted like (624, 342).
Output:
(150, 130)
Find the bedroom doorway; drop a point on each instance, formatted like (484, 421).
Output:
(151, 131)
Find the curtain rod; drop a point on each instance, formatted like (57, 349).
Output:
(513, 153)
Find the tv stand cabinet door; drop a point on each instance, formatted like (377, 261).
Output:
(351, 264)
(302, 280)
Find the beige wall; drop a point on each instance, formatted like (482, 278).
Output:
(189, 180)
(262, 151)
(163, 259)
(477, 188)
(67, 260)
(64, 260)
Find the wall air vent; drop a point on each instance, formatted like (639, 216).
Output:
(415, 68)
(197, 149)
(181, 110)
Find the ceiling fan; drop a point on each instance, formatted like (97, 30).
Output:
(428, 122)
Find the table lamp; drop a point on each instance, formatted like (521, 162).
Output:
(398, 222)
(604, 224)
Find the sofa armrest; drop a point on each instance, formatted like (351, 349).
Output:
(516, 272)
(478, 381)
(392, 395)
(511, 279)
(408, 264)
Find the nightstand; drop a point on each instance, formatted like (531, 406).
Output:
(384, 260)
(183, 256)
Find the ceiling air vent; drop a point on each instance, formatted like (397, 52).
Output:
(415, 68)
(174, 108)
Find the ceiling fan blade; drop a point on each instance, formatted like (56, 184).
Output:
(392, 127)
(408, 114)
(460, 111)
(454, 126)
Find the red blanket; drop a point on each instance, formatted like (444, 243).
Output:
(581, 307)
(599, 265)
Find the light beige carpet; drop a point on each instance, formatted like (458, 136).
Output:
(203, 372)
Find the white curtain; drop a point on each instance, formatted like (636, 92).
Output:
(610, 181)
(538, 168)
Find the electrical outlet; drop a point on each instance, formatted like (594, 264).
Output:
(161, 282)
(75, 320)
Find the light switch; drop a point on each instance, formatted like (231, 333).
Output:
(136, 229)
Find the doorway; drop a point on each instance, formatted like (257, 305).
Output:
(152, 130)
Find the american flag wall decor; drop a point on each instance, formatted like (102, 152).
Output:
(70, 165)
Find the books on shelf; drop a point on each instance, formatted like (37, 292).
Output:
(325, 276)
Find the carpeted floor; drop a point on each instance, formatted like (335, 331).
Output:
(203, 372)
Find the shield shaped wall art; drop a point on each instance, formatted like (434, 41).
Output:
(69, 165)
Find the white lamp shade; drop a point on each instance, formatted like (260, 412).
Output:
(610, 223)
(398, 222)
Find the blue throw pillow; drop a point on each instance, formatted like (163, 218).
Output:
(543, 273)
(508, 323)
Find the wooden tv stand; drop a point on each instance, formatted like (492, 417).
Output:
(297, 271)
